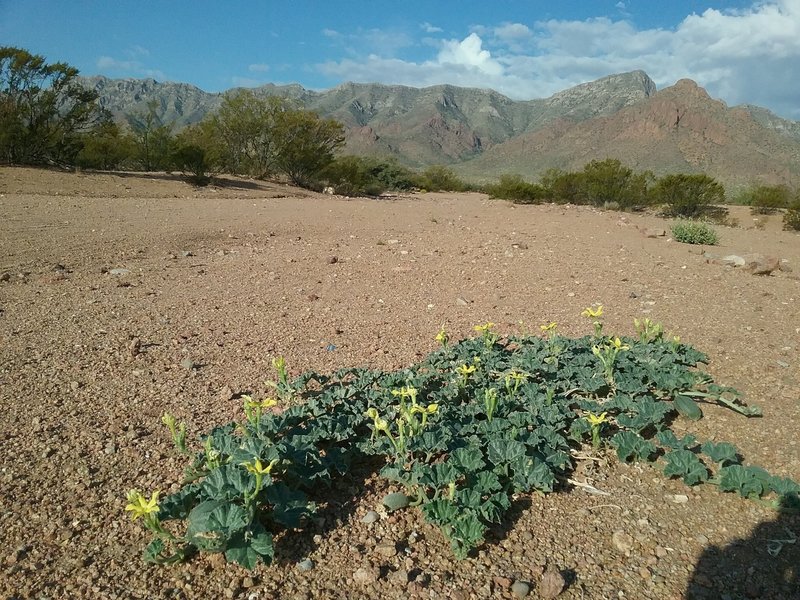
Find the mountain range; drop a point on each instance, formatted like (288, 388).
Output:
(482, 134)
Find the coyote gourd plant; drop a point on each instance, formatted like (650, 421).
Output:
(461, 432)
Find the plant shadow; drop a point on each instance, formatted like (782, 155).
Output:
(766, 565)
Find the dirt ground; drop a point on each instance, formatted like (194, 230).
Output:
(233, 275)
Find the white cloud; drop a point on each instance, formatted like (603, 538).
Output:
(129, 68)
(748, 55)
(331, 33)
(258, 68)
(428, 28)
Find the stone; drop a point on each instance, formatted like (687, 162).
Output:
(759, 264)
(654, 232)
(119, 272)
(188, 363)
(366, 575)
(733, 260)
(520, 589)
(370, 518)
(552, 583)
(461, 301)
(187, 253)
(386, 549)
(502, 582)
(305, 565)
(622, 542)
(5, 276)
(400, 576)
(332, 260)
(225, 394)
(134, 347)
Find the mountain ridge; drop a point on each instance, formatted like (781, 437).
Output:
(482, 133)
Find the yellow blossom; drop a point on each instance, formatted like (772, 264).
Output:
(484, 329)
(441, 337)
(593, 313)
(139, 506)
(617, 344)
(257, 468)
(596, 420)
(465, 370)
(549, 327)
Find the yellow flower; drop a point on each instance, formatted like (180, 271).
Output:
(279, 364)
(549, 326)
(595, 420)
(465, 370)
(593, 313)
(676, 339)
(432, 408)
(139, 506)
(249, 402)
(405, 392)
(441, 337)
(617, 344)
(516, 376)
(372, 413)
(257, 468)
(268, 403)
(381, 424)
(168, 420)
(484, 328)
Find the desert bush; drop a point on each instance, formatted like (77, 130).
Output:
(694, 232)
(767, 199)
(192, 161)
(562, 186)
(438, 178)
(688, 195)
(791, 218)
(105, 148)
(516, 189)
(367, 176)
(609, 182)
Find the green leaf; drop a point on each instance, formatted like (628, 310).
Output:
(288, 506)
(720, 453)
(685, 464)
(467, 460)
(667, 438)
(227, 483)
(505, 451)
(750, 482)
(687, 407)
(249, 547)
(153, 551)
(212, 523)
(486, 481)
(631, 445)
(440, 511)
(467, 532)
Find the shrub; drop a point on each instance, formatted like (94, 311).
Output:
(609, 182)
(516, 189)
(562, 186)
(191, 159)
(688, 195)
(767, 199)
(693, 232)
(358, 176)
(441, 179)
(791, 218)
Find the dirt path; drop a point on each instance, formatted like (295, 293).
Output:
(231, 277)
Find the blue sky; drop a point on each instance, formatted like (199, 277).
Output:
(740, 51)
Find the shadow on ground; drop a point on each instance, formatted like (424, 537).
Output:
(765, 566)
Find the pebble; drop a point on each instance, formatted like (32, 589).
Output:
(552, 583)
(622, 542)
(387, 549)
(187, 253)
(305, 565)
(520, 589)
(332, 260)
(461, 302)
(370, 517)
(188, 363)
(366, 575)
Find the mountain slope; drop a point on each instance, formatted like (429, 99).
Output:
(679, 129)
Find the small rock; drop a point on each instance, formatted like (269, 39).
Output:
(784, 266)
(74, 386)
(783, 364)
(248, 582)
(502, 582)
(622, 542)
(461, 302)
(332, 260)
(225, 394)
(387, 549)
(395, 501)
(186, 253)
(678, 498)
(134, 347)
(758, 264)
(520, 589)
(188, 363)
(552, 583)
(400, 576)
(519, 246)
(305, 565)
(645, 573)
(370, 518)
(660, 551)
(393, 242)
(732, 260)
(111, 448)
(119, 272)
(5, 276)
(366, 575)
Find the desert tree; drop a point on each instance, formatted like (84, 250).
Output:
(44, 110)
(305, 145)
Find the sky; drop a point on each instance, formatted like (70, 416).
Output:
(740, 51)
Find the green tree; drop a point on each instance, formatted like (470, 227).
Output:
(43, 109)
(516, 189)
(438, 178)
(767, 199)
(688, 195)
(244, 127)
(105, 147)
(562, 186)
(609, 182)
(305, 145)
(153, 139)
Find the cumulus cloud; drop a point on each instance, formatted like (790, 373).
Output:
(748, 55)
(127, 68)
(428, 28)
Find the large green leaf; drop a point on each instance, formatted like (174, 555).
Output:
(685, 464)
(288, 506)
(721, 452)
(631, 445)
(505, 451)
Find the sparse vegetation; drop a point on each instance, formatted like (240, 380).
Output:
(694, 232)
(767, 199)
(791, 218)
(688, 196)
(516, 189)
(441, 179)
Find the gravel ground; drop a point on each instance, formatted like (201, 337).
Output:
(233, 275)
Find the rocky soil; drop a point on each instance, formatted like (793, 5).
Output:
(214, 283)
